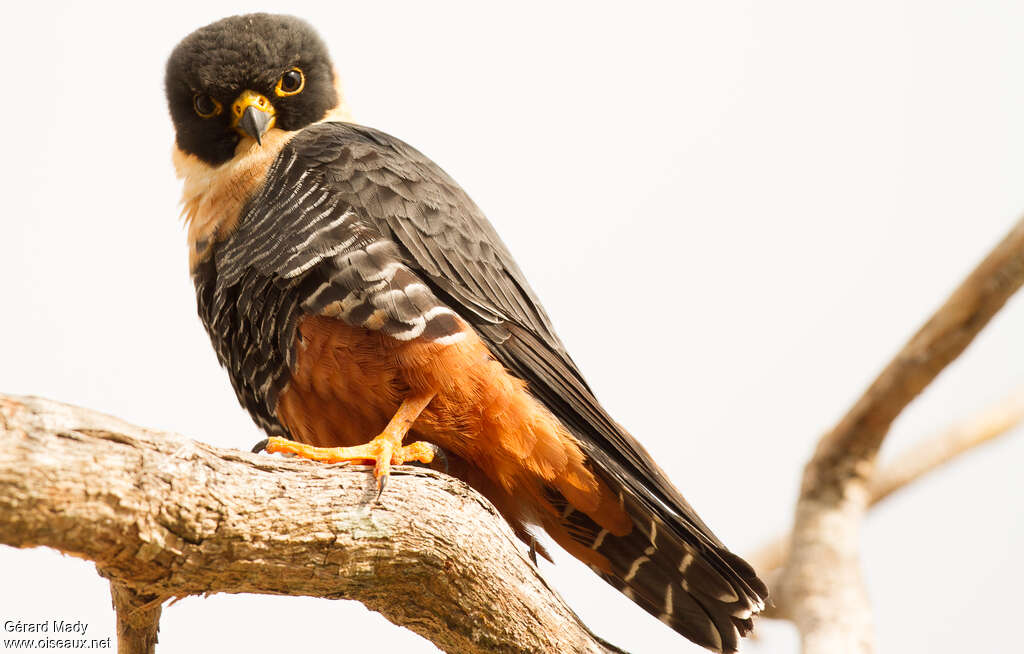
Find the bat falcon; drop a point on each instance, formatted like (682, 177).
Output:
(367, 311)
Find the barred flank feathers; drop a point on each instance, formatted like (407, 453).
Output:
(702, 591)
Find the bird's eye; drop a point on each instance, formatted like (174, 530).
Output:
(205, 106)
(290, 83)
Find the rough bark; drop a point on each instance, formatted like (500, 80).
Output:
(164, 516)
(138, 619)
(820, 586)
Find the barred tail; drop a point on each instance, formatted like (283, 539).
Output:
(695, 586)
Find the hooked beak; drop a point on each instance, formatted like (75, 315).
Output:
(252, 115)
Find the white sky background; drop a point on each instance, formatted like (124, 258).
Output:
(734, 212)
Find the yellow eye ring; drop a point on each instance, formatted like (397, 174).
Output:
(206, 106)
(291, 83)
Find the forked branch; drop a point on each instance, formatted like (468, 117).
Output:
(917, 462)
(820, 587)
(164, 516)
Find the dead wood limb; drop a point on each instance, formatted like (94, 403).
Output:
(820, 587)
(138, 619)
(164, 516)
(919, 461)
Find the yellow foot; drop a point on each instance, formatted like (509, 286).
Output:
(382, 451)
(385, 450)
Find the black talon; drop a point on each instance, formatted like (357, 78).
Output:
(261, 446)
(439, 463)
(533, 550)
(380, 486)
(440, 459)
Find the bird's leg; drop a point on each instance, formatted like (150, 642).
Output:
(385, 450)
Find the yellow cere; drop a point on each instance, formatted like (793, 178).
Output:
(251, 99)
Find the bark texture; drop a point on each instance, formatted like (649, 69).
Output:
(164, 516)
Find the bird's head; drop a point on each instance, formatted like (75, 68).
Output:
(241, 76)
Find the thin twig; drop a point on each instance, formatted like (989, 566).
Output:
(919, 461)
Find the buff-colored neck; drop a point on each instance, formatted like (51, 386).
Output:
(212, 197)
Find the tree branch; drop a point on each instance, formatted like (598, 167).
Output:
(820, 586)
(138, 619)
(164, 516)
(917, 462)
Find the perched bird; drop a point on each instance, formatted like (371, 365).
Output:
(359, 299)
